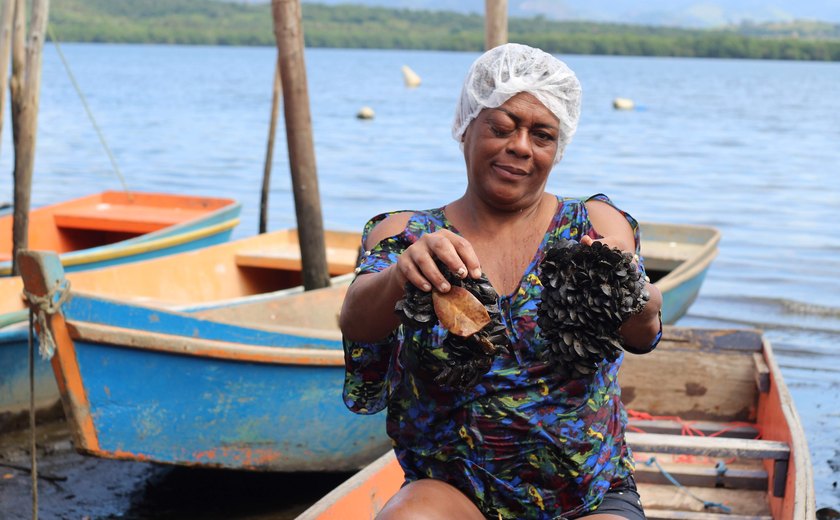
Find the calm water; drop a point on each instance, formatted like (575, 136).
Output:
(750, 147)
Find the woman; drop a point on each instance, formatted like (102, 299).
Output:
(526, 441)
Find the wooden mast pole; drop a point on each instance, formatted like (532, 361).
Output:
(25, 88)
(269, 153)
(495, 23)
(6, 16)
(288, 30)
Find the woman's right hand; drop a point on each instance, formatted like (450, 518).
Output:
(368, 311)
(417, 263)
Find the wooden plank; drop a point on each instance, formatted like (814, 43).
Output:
(124, 218)
(745, 502)
(287, 257)
(707, 428)
(703, 476)
(716, 385)
(669, 514)
(708, 446)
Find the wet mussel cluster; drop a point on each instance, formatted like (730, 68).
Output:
(588, 292)
(461, 361)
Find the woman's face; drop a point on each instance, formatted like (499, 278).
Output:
(509, 152)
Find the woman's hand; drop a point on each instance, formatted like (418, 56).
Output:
(417, 263)
(368, 310)
(638, 330)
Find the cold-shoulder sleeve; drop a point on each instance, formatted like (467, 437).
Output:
(368, 367)
(634, 225)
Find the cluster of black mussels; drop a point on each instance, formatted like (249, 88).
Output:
(463, 360)
(588, 292)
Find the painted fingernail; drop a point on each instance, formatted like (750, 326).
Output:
(461, 272)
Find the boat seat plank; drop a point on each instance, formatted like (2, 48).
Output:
(669, 514)
(123, 217)
(703, 476)
(708, 446)
(707, 428)
(688, 502)
(287, 257)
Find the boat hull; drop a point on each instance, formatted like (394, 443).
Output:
(191, 410)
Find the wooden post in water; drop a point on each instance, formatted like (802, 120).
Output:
(495, 23)
(288, 30)
(25, 88)
(269, 153)
(7, 12)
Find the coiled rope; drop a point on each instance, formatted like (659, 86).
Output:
(44, 307)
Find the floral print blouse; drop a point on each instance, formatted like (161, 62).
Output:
(525, 442)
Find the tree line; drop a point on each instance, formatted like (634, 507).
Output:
(211, 22)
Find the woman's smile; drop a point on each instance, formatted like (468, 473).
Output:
(509, 171)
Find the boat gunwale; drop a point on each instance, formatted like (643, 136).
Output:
(203, 348)
(804, 499)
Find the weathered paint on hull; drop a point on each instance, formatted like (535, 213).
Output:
(194, 411)
(14, 374)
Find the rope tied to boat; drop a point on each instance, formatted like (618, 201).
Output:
(707, 504)
(44, 307)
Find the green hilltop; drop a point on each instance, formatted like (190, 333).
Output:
(212, 22)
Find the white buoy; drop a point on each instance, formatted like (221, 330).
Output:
(411, 78)
(365, 113)
(623, 104)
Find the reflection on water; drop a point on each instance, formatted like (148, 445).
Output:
(749, 147)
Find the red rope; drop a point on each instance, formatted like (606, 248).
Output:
(687, 429)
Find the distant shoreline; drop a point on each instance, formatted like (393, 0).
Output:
(205, 22)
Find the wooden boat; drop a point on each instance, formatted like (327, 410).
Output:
(677, 258)
(147, 384)
(114, 227)
(745, 449)
(212, 276)
(295, 335)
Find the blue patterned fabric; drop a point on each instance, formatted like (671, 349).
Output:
(524, 443)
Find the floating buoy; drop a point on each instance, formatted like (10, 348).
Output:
(623, 104)
(365, 113)
(411, 78)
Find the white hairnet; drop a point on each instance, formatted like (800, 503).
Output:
(507, 70)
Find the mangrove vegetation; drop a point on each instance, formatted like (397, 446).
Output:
(212, 22)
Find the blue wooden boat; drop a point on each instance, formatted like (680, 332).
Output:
(146, 384)
(212, 276)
